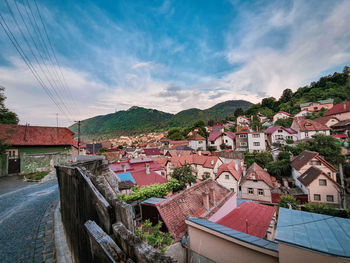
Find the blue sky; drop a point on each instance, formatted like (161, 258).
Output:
(170, 55)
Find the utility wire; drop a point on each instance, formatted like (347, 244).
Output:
(36, 59)
(15, 43)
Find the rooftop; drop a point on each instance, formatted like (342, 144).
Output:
(339, 108)
(310, 125)
(255, 172)
(320, 102)
(322, 233)
(251, 218)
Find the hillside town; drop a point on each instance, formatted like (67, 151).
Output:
(174, 131)
(234, 183)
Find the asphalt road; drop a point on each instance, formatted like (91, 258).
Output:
(26, 222)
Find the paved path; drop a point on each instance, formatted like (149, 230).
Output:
(26, 223)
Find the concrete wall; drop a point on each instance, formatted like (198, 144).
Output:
(218, 247)
(323, 190)
(99, 227)
(261, 140)
(255, 196)
(230, 183)
(42, 162)
(291, 254)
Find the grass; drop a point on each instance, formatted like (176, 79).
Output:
(35, 177)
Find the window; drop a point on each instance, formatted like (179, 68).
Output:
(212, 142)
(322, 182)
(306, 134)
(200, 142)
(329, 174)
(315, 162)
(330, 198)
(260, 192)
(250, 191)
(227, 176)
(243, 144)
(243, 136)
(317, 197)
(239, 188)
(280, 130)
(279, 137)
(256, 143)
(226, 141)
(257, 135)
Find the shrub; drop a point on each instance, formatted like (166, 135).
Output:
(288, 199)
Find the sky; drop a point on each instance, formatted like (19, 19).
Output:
(97, 57)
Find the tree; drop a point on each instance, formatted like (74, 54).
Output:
(238, 112)
(199, 124)
(261, 159)
(346, 70)
(184, 175)
(256, 124)
(327, 147)
(6, 116)
(287, 95)
(211, 148)
(279, 169)
(288, 199)
(270, 103)
(284, 155)
(175, 134)
(284, 122)
(211, 123)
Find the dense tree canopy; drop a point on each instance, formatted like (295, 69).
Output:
(6, 116)
(184, 175)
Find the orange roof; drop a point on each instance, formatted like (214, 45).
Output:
(255, 172)
(230, 167)
(205, 161)
(245, 129)
(196, 137)
(310, 125)
(35, 135)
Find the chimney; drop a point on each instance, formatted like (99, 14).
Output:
(212, 196)
(199, 153)
(212, 162)
(147, 169)
(344, 106)
(205, 196)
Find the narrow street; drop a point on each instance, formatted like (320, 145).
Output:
(26, 221)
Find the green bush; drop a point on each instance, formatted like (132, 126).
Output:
(35, 177)
(153, 236)
(285, 199)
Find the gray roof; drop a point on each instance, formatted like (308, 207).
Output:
(270, 245)
(322, 233)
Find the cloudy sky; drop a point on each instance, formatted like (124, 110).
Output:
(102, 56)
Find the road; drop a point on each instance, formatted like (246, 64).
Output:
(26, 222)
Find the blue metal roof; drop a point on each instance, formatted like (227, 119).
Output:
(327, 234)
(126, 177)
(236, 234)
(153, 200)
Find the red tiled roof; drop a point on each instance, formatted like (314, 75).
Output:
(19, 135)
(196, 137)
(177, 208)
(213, 136)
(251, 218)
(152, 151)
(255, 172)
(271, 130)
(339, 108)
(245, 129)
(307, 156)
(178, 142)
(340, 136)
(142, 178)
(230, 167)
(323, 120)
(205, 161)
(172, 153)
(310, 125)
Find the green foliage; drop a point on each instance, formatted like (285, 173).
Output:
(261, 159)
(184, 175)
(289, 141)
(284, 122)
(205, 176)
(6, 116)
(279, 169)
(153, 236)
(148, 191)
(287, 95)
(223, 146)
(256, 124)
(319, 208)
(103, 150)
(284, 155)
(285, 199)
(35, 177)
(211, 148)
(176, 134)
(238, 112)
(120, 147)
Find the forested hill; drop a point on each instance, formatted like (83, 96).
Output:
(335, 86)
(139, 120)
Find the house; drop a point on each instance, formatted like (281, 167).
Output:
(243, 121)
(327, 120)
(174, 144)
(256, 142)
(262, 117)
(197, 142)
(202, 166)
(305, 178)
(302, 113)
(251, 218)
(310, 237)
(342, 127)
(152, 152)
(229, 175)
(319, 186)
(172, 153)
(307, 128)
(200, 200)
(257, 184)
(35, 148)
(216, 139)
(341, 111)
(317, 106)
(242, 139)
(75, 148)
(281, 115)
(279, 135)
(218, 128)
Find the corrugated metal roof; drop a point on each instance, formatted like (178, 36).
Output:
(270, 245)
(153, 200)
(126, 177)
(322, 233)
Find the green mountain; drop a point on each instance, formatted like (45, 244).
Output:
(139, 120)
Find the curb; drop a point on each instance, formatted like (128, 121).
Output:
(63, 254)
